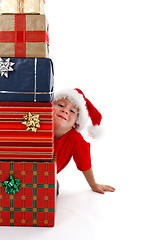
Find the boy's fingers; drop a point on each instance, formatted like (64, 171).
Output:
(100, 191)
(108, 188)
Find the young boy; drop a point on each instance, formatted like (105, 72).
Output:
(71, 112)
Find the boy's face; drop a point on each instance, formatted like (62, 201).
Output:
(65, 115)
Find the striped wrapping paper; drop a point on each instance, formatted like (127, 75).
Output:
(21, 139)
(34, 203)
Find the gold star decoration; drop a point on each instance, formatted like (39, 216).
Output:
(32, 122)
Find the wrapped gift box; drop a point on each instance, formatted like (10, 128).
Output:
(22, 6)
(26, 131)
(26, 79)
(27, 194)
(24, 35)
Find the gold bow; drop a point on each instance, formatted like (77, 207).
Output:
(31, 121)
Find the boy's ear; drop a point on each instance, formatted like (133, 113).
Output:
(75, 125)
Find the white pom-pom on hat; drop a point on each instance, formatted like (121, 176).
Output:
(95, 131)
(86, 109)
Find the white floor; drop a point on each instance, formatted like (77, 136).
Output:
(99, 46)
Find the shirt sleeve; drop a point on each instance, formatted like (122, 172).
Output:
(81, 153)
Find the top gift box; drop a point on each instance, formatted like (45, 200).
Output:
(22, 6)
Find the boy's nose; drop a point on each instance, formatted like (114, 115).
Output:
(65, 111)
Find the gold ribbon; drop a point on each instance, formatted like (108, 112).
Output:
(20, 6)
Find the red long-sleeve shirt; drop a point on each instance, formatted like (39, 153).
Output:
(72, 144)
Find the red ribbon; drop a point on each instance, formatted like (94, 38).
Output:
(20, 36)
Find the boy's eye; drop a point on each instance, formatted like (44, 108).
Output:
(60, 105)
(72, 111)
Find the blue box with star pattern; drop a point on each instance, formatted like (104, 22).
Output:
(26, 80)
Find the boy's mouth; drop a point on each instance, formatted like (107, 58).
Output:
(60, 116)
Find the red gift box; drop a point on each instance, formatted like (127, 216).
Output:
(27, 194)
(26, 131)
(23, 35)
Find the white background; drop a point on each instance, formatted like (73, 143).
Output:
(99, 47)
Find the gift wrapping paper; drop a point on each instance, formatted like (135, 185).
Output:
(22, 6)
(26, 131)
(26, 79)
(24, 35)
(27, 194)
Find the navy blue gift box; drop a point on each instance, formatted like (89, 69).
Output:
(26, 79)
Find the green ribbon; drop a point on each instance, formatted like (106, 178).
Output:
(11, 185)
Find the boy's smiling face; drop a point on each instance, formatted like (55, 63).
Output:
(65, 116)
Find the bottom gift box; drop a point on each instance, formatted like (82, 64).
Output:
(27, 194)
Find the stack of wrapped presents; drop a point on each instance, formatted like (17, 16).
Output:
(27, 162)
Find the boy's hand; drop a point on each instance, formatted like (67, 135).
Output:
(101, 188)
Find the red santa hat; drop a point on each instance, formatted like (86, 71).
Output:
(86, 109)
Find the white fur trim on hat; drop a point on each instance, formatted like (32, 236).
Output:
(79, 101)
